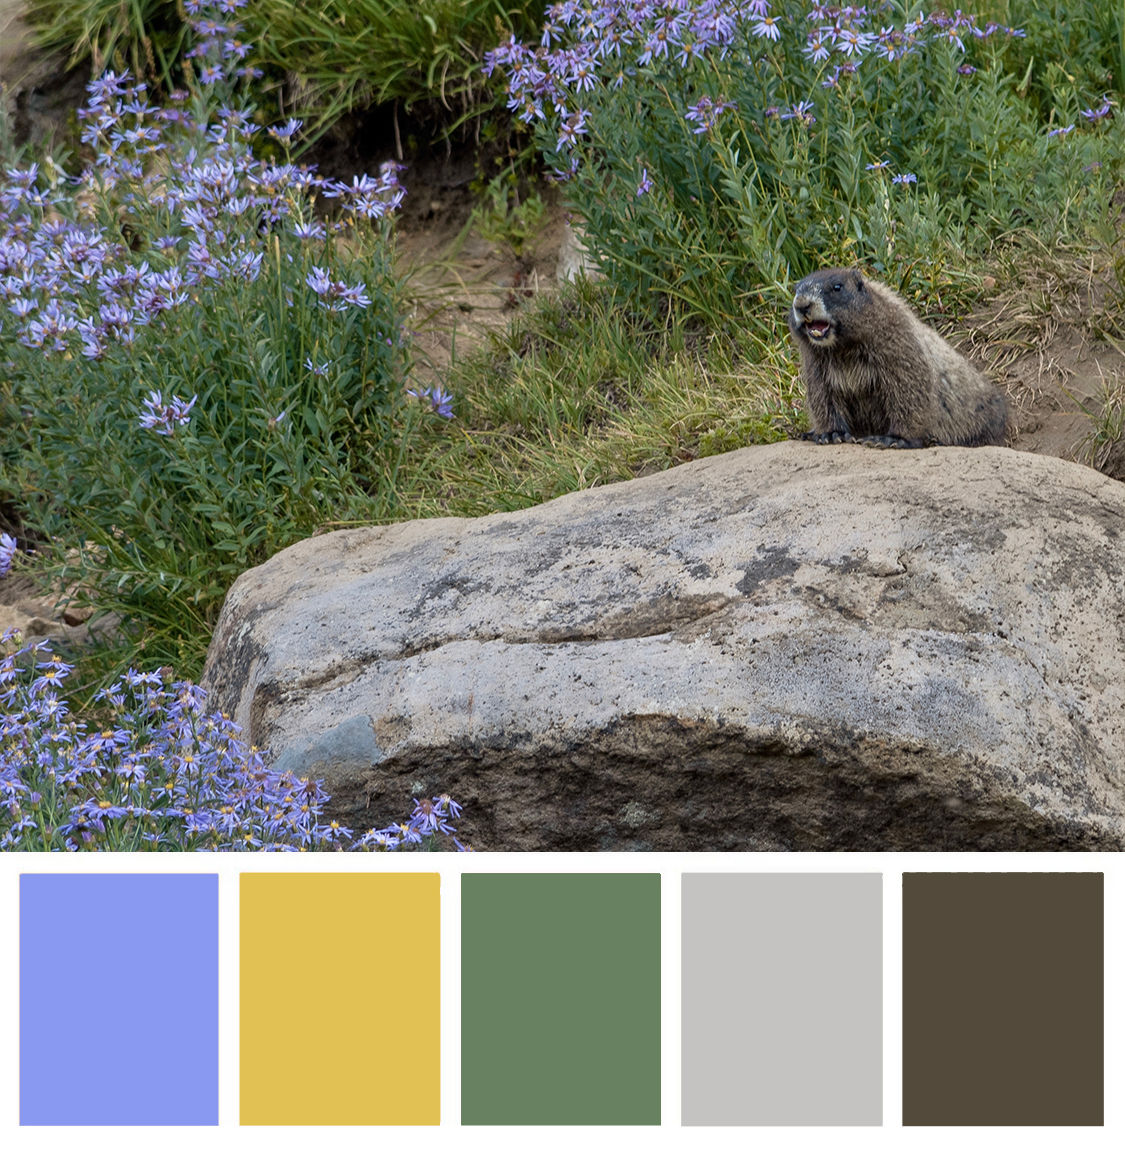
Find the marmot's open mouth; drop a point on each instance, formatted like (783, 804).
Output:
(817, 329)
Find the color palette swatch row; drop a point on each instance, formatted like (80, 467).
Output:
(781, 996)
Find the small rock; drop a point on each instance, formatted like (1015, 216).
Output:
(574, 260)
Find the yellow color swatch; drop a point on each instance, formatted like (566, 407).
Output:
(340, 999)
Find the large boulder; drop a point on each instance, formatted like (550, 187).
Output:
(786, 647)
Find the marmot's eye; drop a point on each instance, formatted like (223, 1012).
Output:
(837, 287)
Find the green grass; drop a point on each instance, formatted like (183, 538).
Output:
(343, 55)
(580, 391)
(329, 58)
(145, 36)
(1070, 46)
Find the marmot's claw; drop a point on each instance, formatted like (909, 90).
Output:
(892, 442)
(833, 437)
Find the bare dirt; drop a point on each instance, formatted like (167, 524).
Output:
(462, 286)
(1048, 337)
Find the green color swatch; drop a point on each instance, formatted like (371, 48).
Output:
(560, 999)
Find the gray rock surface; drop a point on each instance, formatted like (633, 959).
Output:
(786, 647)
(574, 259)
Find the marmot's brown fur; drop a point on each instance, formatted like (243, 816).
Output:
(874, 372)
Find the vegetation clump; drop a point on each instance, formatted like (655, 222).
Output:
(159, 772)
(204, 350)
(718, 150)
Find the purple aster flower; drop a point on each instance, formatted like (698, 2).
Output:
(115, 316)
(51, 676)
(817, 48)
(801, 111)
(285, 132)
(450, 804)
(50, 327)
(370, 196)
(134, 103)
(353, 294)
(891, 44)
(165, 418)
(197, 219)
(706, 112)
(332, 832)
(430, 816)
(904, 178)
(93, 343)
(767, 27)
(319, 281)
(243, 265)
(234, 49)
(852, 42)
(21, 181)
(562, 175)
(51, 708)
(656, 46)
(1060, 131)
(407, 834)
(106, 741)
(163, 290)
(379, 839)
(313, 230)
(108, 86)
(1101, 113)
(584, 75)
(8, 549)
(571, 128)
(645, 185)
(437, 398)
(950, 34)
(335, 295)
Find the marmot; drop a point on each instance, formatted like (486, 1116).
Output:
(875, 373)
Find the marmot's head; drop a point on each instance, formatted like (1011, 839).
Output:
(825, 306)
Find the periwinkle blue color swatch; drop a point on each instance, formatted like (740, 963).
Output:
(119, 999)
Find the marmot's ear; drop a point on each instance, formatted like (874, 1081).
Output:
(859, 281)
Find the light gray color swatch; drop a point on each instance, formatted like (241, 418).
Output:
(782, 987)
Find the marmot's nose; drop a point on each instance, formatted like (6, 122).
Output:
(802, 303)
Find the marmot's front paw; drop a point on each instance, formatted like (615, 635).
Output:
(891, 442)
(834, 437)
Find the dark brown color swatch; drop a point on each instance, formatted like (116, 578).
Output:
(1003, 999)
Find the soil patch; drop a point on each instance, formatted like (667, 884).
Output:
(1045, 339)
